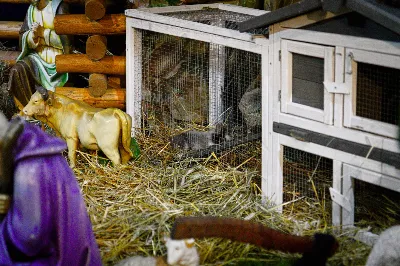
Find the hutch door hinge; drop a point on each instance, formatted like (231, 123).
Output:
(279, 95)
(280, 55)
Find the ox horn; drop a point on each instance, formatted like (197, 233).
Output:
(43, 92)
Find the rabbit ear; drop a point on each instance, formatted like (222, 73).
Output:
(189, 242)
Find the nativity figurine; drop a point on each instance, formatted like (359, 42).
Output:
(82, 125)
(40, 45)
(47, 222)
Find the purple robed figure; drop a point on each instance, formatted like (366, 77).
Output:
(47, 223)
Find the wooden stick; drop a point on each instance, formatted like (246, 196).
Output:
(96, 47)
(241, 231)
(113, 98)
(9, 56)
(110, 24)
(97, 84)
(10, 29)
(80, 63)
(95, 9)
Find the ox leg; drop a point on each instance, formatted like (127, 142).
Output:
(113, 155)
(125, 156)
(109, 145)
(72, 145)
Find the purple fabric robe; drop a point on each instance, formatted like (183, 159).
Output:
(47, 223)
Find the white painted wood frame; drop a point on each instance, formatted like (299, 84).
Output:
(275, 192)
(275, 189)
(248, 44)
(337, 185)
(344, 157)
(134, 76)
(275, 182)
(266, 125)
(333, 39)
(188, 8)
(351, 120)
(339, 41)
(287, 106)
(351, 172)
(149, 15)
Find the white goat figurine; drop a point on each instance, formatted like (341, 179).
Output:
(179, 252)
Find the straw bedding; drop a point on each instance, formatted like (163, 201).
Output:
(133, 207)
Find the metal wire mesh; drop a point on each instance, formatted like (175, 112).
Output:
(306, 180)
(375, 206)
(175, 80)
(307, 80)
(209, 94)
(216, 17)
(378, 93)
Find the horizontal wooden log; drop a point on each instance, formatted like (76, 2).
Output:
(113, 98)
(95, 9)
(9, 57)
(96, 47)
(80, 63)
(10, 29)
(110, 24)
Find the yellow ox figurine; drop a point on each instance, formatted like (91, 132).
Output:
(81, 124)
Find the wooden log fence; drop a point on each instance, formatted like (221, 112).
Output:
(95, 9)
(103, 91)
(97, 84)
(80, 63)
(115, 98)
(96, 47)
(10, 29)
(76, 24)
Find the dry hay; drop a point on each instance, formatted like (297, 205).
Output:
(133, 207)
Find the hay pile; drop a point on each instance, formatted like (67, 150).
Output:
(132, 207)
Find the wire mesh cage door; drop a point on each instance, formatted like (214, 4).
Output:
(305, 68)
(204, 94)
(374, 199)
(374, 99)
(306, 181)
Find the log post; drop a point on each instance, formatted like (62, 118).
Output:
(95, 9)
(10, 29)
(96, 47)
(97, 84)
(113, 98)
(74, 24)
(80, 63)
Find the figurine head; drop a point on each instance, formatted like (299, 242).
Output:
(39, 4)
(39, 103)
(181, 252)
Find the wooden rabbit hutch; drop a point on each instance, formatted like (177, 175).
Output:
(334, 111)
(191, 72)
